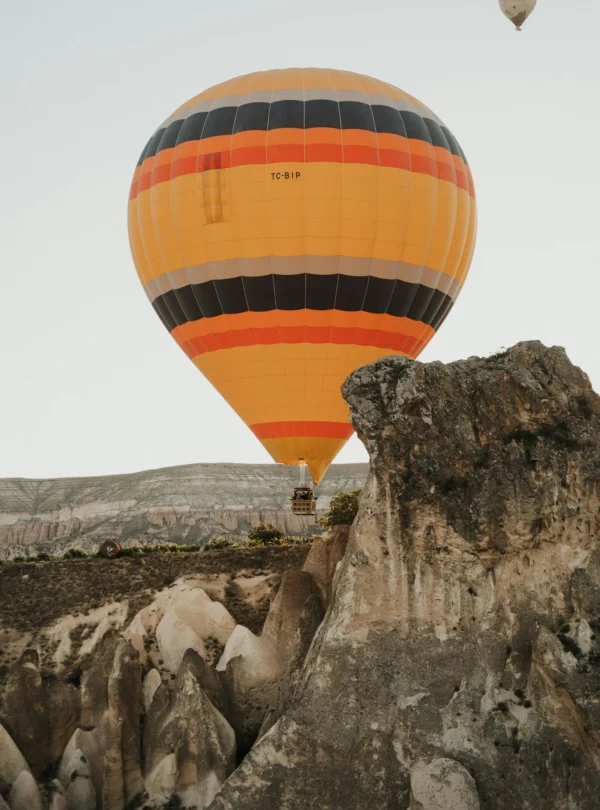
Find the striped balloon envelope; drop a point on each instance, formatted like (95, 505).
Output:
(289, 226)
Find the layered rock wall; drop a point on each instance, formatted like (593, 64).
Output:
(190, 504)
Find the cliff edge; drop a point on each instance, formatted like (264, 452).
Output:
(458, 665)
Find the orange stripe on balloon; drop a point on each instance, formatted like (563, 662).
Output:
(300, 153)
(284, 430)
(350, 336)
(302, 318)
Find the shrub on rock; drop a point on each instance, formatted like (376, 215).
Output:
(342, 510)
(265, 534)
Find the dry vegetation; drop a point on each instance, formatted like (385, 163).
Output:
(35, 595)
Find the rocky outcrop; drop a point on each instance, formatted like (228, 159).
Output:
(85, 746)
(39, 714)
(191, 717)
(122, 782)
(25, 794)
(56, 799)
(442, 785)
(189, 746)
(12, 761)
(190, 504)
(80, 792)
(191, 620)
(458, 663)
(94, 742)
(250, 671)
(323, 558)
(294, 616)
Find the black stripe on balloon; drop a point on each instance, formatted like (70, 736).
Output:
(302, 291)
(262, 116)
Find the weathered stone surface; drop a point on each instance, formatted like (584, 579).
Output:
(64, 710)
(56, 799)
(40, 715)
(189, 504)
(80, 791)
(25, 794)
(209, 680)
(189, 746)
(442, 785)
(91, 745)
(60, 608)
(291, 623)
(250, 670)
(12, 761)
(122, 781)
(190, 620)
(180, 618)
(94, 682)
(324, 555)
(281, 624)
(151, 683)
(24, 713)
(476, 544)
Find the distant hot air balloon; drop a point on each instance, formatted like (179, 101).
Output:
(517, 11)
(292, 225)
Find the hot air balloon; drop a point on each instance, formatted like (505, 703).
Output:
(289, 226)
(517, 11)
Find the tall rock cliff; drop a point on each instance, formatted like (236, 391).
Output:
(190, 504)
(458, 665)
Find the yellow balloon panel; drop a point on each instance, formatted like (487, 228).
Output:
(289, 226)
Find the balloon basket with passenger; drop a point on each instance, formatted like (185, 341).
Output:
(304, 500)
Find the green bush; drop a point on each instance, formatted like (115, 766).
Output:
(299, 541)
(132, 551)
(160, 548)
(74, 553)
(265, 541)
(264, 535)
(342, 510)
(280, 541)
(219, 542)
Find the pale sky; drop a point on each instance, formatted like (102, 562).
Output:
(90, 381)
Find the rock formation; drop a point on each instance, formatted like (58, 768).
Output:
(458, 663)
(12, 761)
(189, 746)
(190, 504)
(122, 782)
(442, 655)
(24, 793)
(39, 714)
